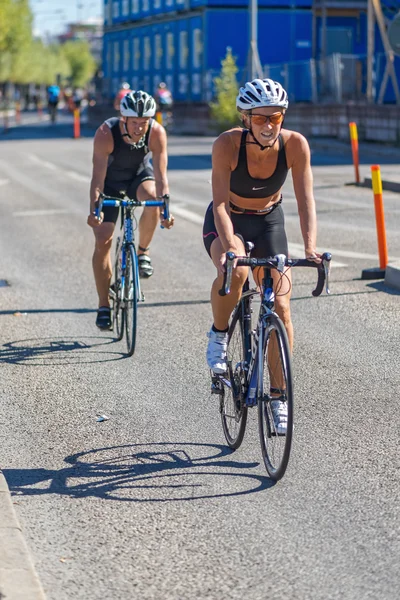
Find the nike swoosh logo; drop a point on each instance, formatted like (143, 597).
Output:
(261, 188)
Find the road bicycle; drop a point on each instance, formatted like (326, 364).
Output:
(259, 371)
(125, 292)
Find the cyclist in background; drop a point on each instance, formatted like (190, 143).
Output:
(164, 100)
(249, 168)
(122, 166)
(53, 98)
(125, 87)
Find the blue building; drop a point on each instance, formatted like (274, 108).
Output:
(183, 43)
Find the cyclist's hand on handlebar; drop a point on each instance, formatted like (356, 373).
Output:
(94, 221)
(314, 256)
(167, 223)
(221, 267)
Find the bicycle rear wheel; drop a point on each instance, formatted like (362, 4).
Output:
(277, 375)
(118, 312)
(232, 406)
(130, 298)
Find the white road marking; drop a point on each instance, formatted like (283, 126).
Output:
(187, 214)
(42, 162)
(77, 176)
(41, 212)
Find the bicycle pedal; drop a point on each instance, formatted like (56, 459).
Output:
(142, 298)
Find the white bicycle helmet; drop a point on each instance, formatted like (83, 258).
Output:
(261, 92)
(138, 104)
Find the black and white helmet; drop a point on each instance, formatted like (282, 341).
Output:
(138, 104)
(261, 92)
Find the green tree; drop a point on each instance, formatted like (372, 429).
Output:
(223, 110)
(80, 60)
(15, 35)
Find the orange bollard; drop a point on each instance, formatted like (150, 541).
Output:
(77, 123)
(379, 215)
(354, 148)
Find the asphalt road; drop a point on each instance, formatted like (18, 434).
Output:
(151, 504)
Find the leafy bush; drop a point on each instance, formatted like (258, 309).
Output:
(223, 110)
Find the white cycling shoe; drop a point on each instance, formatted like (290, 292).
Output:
(216, 351)
(280, 415)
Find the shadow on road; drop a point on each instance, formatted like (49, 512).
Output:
(158, 472)
(60, 351)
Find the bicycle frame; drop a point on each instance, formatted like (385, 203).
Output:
(128, 239)
(254, 340)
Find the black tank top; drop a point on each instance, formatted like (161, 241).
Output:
(125, 161)
(246, 186)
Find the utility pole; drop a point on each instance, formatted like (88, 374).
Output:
(370, 52)
(255, 68)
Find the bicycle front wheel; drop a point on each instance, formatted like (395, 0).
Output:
(130, 298)
(276, 395)
(116, 295)
(233, 408)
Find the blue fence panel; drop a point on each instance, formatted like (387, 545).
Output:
(136, 63)
(147, 59)
(196, 46)
(124, 10)
(170, 54)
(157, 57)
(135, 10)
(182, 90)
(144, 8)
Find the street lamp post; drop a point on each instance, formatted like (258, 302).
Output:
(255, 68)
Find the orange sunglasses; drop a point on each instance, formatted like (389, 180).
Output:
(262, 119)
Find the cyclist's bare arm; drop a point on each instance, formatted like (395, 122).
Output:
(299, 157)
(102, 147)
(222, 153)
(158, 146)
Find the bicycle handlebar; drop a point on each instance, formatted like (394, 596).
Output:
(128, 202)
(279, 262)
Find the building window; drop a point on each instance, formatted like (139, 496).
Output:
(115, 9)
(116, 57)
(135, 7)
(126, 58)
(136, 53)
(147, 53)
(157, 51)
(197, 48)
(170, 50)
(183, 50)
(125, 8)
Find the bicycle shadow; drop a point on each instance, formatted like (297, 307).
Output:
(60, 351)
(155, 472)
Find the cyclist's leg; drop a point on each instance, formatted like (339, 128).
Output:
(222, 306)
(143, 188)
(101, 260)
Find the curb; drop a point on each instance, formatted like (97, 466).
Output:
(392, 275)
(18, 577)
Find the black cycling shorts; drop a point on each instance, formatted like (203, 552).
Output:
(267, 232)
(130, 189)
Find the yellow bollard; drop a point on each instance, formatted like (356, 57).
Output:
(379, 215)
(354, 149)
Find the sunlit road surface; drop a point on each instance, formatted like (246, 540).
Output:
(151, 504)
